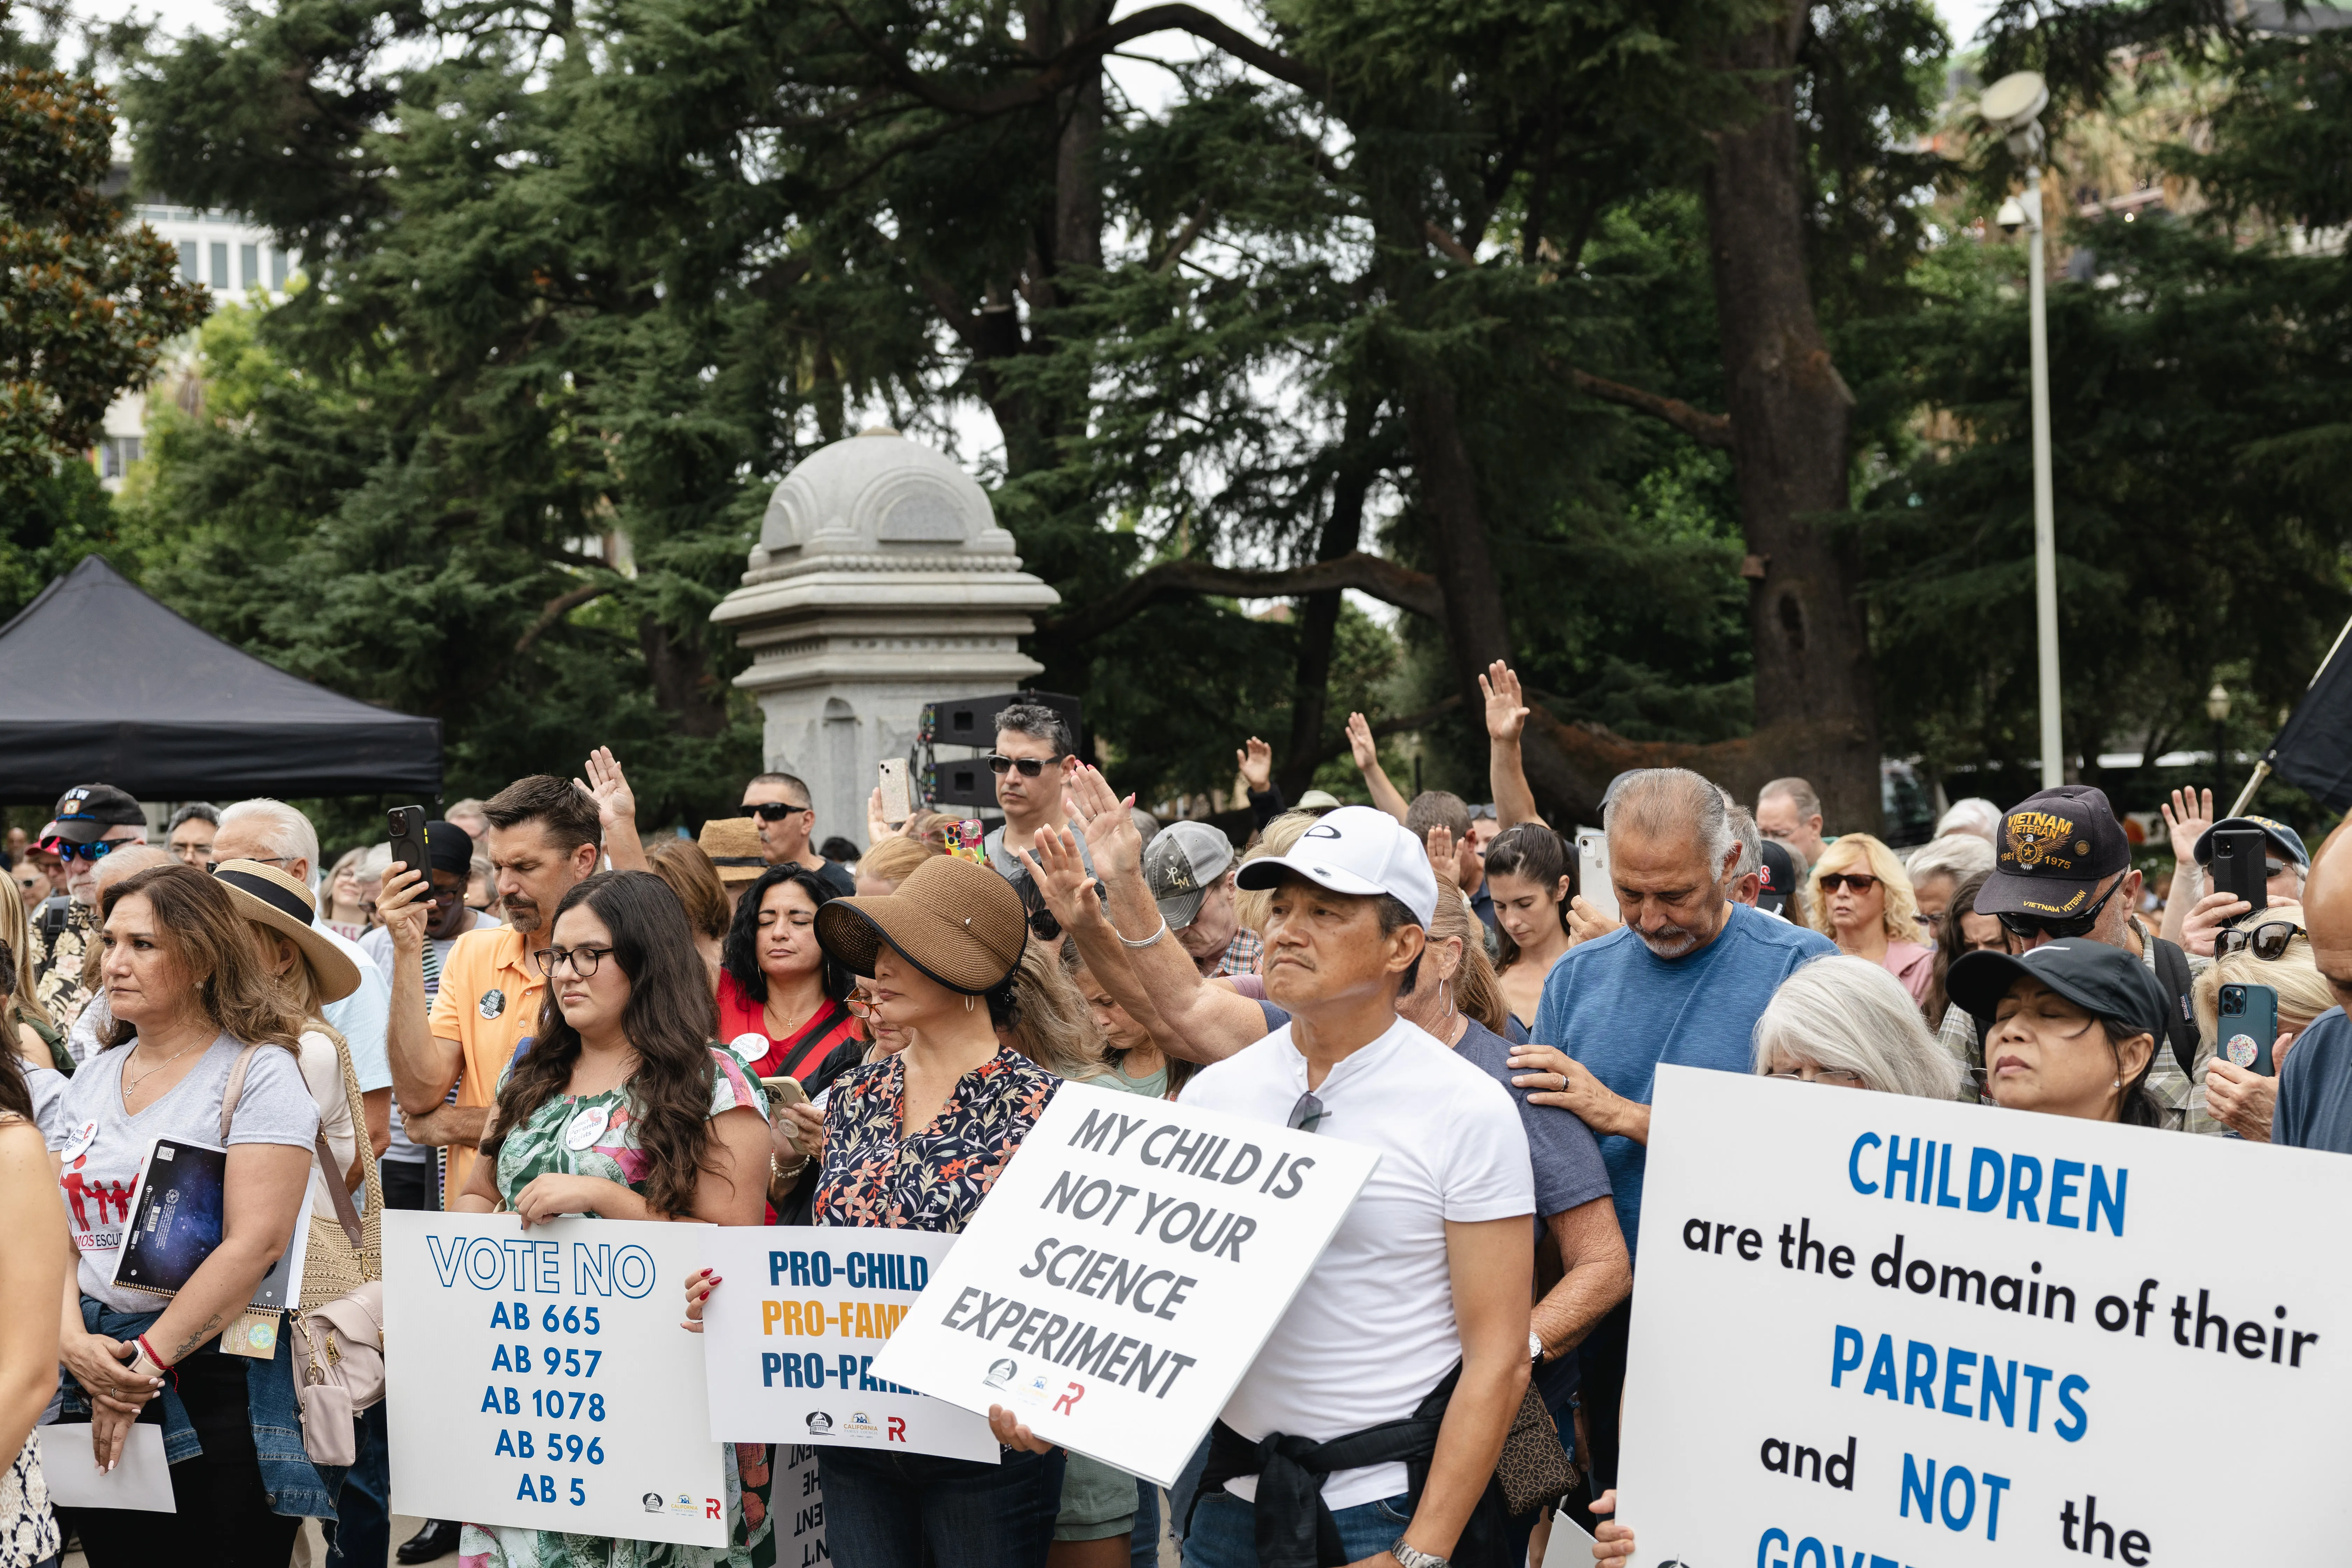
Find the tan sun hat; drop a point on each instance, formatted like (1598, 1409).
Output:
(955, 920)
(269, 897)
(733, 845)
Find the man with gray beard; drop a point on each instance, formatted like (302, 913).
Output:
(1683, 981)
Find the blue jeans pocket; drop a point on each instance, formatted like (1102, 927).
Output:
(1388, 1511)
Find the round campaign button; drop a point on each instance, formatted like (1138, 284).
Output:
(750, 1045)
(493, 1003)
(2244, 1050)
(78, 1144)
(587, 1127)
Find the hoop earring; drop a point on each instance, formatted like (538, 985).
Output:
(966, 1002)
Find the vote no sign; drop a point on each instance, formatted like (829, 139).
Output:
(540, 1379)
(1872, 1330)
(791, 1334)
(1121, 1277)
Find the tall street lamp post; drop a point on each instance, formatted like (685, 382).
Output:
(2011, 108)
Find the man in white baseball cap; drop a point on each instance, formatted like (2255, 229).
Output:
(1433, 1264)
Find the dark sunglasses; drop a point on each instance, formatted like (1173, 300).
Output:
(2267, 941)
(1000, 764)
(1832, 882)
(2072, 925)
(1306, 1113)
(1045, 927)
(773, 810)
(65, 851)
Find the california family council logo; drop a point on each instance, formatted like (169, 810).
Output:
(1001, 1372)
(818, 1421)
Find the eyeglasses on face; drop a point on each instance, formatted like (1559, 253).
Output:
(2020, 925)
(2267, 941)
(581, 960)
(1000, 764)
(1832, 881)
(774, 810)
(1836, 1077)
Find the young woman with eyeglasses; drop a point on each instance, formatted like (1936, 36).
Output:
(1861, 900)
(624, 1109)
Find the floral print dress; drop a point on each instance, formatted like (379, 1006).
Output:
(537, 1149)
(876, 1174)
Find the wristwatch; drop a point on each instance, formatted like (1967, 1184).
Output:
(1409, 1557)
(1535, 1347)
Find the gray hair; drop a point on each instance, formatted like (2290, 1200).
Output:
(194, 811)
(1801, 795)
(1039, 723)
(1751, 842)
(1851, 1014)
(1958, 856)
(1975, 815)
(286, 831)
(1673, 803)
(129, 861)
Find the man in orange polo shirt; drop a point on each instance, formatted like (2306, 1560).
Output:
(544, 839)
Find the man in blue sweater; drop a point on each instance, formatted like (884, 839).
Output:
(1684, 980)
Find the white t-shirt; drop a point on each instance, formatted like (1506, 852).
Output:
(323, 1070)
(376, 943)
(1372, 1330)
(275, 1106)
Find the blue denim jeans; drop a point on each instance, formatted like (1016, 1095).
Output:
(888, 1510)
(360, 1536)
(1144, 1545)
(1224, 1529)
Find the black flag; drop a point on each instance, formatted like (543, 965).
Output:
(2313, 752)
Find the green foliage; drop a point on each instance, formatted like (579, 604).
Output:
(88, 305)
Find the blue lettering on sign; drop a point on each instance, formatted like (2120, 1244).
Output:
(601, 1269)
(490, 1263)
(2014, 1186)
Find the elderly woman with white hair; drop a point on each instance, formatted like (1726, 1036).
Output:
(1938, 867)
(1846, 1022)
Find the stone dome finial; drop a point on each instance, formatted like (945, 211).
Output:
(877, 492)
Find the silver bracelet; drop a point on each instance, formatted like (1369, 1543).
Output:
(1148, 940)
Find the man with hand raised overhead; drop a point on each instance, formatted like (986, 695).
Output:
(1418, 1308)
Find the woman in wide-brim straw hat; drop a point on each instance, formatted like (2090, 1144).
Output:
(311, 971)
(913, 1142)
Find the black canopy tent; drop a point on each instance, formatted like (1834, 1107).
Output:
(98, 683)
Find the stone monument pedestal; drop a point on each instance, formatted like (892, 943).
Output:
(880, 583)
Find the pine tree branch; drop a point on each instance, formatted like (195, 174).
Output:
(1707, 429)
(1383, 580)
(1067, 67)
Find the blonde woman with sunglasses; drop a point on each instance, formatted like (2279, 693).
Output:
(1863, 900)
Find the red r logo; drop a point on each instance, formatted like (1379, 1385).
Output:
(897, 1429)
(713, 1508)
(1070, 1397)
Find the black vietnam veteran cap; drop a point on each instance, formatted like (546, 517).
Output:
(2055, 849)
(2104, 981)
(86, 811)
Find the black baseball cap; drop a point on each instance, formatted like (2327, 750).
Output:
(2289, 841)
(2106, 981)
(448, 847)
(2055, 849)
(1776, 877)
(86, 811)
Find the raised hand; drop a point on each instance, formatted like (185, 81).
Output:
(1111, 836)
(605, 785)
(1061, 875)
(1255, 761)
(1443, 864)
(2185, 818)
(1361, 745)
(1507, 711)
(403, 908)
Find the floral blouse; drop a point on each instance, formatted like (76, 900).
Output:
(541, 1147)
(875, 1174)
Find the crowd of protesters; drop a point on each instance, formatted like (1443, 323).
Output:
(771, 1027)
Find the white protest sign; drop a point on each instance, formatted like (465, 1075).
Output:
(1872, 1330)
(798, 1508)
(1120, 1278)
(540, 1379)
(790, 1336)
